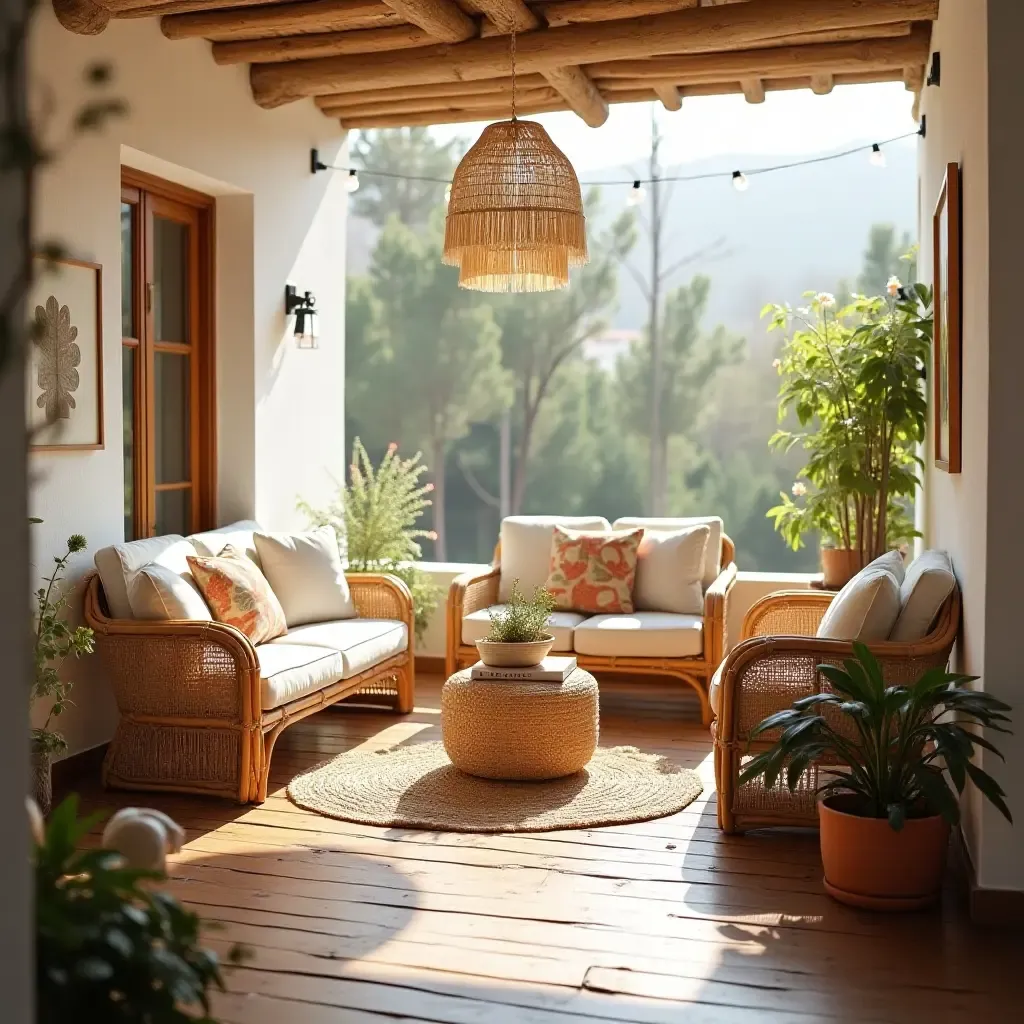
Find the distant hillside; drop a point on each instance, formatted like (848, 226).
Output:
(793, 230)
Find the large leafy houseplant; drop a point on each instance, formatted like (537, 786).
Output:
(374, 518)
(852, 377)
(109, 946)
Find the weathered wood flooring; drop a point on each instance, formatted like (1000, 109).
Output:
(662, 922)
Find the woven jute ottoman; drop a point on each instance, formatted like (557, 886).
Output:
(519, 731)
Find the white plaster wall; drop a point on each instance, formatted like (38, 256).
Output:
(280, 410)
(975, 514)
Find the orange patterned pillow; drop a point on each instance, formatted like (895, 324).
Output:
(593, 572)
(239, 594)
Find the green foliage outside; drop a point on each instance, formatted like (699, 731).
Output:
(853, 379)
(374, 518)
(523, 620)
(905, 751)
(55, 641)
(109, 946)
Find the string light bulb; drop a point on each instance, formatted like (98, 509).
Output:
(877, 157)
(740, 182)
(637, 194)
(352, 181)
(447, 194)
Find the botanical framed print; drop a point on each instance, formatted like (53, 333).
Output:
(947, 349)
(65, 359)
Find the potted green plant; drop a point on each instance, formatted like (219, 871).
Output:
(902, 756)
(852, 377)
(110, 946)
(519, 636)
(374, 518)
(54, 642)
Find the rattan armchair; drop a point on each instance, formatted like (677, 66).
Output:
(472, 592)
(189, 695)
(775, 664)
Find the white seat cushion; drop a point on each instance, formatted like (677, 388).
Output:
(866, 609)
(239, 535)
(118, 564)
(927, 584)
(713, 552)
(304, 570)
(156, 592)
(670, 570)
(290, 671)
(477, 625)
(715, 690)
(641, 635)
(526, 548)
(362, 643)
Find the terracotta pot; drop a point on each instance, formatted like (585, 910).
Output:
(839, 566)
(42, 781)
(501, 655)
(869, 865)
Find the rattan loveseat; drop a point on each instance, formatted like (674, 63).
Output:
(471, 594)
(191, 694)
(775, 664)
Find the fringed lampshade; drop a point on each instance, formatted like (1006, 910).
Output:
(515, 217)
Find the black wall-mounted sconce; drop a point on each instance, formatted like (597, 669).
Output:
(935, 70)
(351, 174)
(303, 308)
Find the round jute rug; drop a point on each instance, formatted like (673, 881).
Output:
(418, 787)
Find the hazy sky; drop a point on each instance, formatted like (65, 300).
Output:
(794, 122)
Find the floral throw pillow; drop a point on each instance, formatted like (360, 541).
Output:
(239, 594)
(593, 572)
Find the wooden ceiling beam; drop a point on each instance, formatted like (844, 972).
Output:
(753, 89)
(416, 105)
(558, 13)
(279, 19)
(505, 16)
(151, 8)
(669, 95)
(318, 44)
(498, 86)
(430, 117)
(822, 84)
(443, 20)
(690, 32)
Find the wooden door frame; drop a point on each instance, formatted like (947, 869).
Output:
(136, 186)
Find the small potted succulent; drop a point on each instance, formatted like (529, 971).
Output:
(902, 756)
(519, 636)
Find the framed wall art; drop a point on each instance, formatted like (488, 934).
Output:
(947, 348)
(65, 359)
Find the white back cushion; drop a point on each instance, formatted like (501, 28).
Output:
(866, 609)
(118, 563)
(239, 535)
(928, 582)
(305, 571)
(669, 570)
(713, 552)
(156, 592)
(526, 548)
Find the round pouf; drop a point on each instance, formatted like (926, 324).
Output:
(519, 731)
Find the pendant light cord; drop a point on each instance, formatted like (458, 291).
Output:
(513, 72)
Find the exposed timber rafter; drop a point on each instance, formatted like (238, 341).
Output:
(669, 95)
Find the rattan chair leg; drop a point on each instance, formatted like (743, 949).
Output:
(406, 683)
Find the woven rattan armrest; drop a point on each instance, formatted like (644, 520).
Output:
(716, 615)
(381, 596)
(786, 613)
(473, 591)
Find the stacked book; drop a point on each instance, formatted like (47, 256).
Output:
(550, 670)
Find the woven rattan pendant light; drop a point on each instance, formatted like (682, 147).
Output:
(515, 217)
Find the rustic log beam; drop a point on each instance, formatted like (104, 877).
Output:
(495, 86)
(669, 95)
(530, 99)
(430, 117)
(441, 19)
(753, 89)
(558, 13)
(846, 35)
(689, 32)
(318, 44)
(822, 84)
(913, 77)
(83, 17)
(279, 19)
(578, 90)
(127, 8)
(505, 16)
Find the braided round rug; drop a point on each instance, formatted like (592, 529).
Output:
(418, 787)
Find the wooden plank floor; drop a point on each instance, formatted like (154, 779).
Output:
(660, 922)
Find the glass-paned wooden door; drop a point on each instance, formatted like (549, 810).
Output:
(167, 365)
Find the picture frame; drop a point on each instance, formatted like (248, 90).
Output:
(64, 363)
(947, 341)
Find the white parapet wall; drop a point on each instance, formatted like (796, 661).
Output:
(750, 587)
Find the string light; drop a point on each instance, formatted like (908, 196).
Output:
(877, 157)
(740, 181)
(447, 195)
(637, 194)
(352, 184)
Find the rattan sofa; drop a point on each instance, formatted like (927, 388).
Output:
(191, 694)
(474, 592)
(775, 664)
